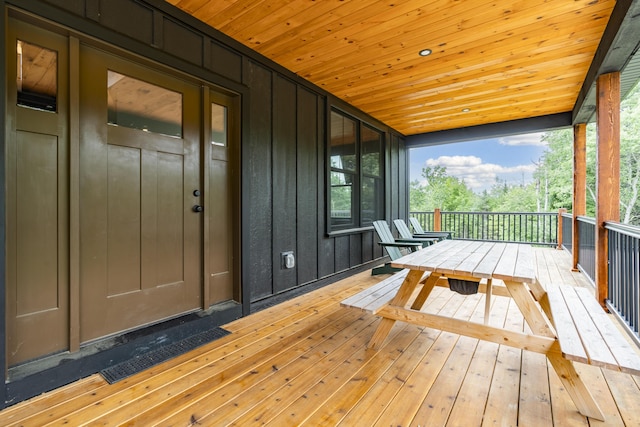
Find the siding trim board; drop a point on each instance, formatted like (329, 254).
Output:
(3, 195)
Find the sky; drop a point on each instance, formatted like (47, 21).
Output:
(479, 163)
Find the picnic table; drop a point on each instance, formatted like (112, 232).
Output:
(478, 264)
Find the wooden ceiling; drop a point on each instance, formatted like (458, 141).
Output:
(492, 60)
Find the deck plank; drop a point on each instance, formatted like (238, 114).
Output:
(471, 401)
(267, 409)
(599, 388)
(366, 385)
(534, 391)
(624, 390)
(408, 400)
(503, 399)
(248, 394)
(374, 364)
(437, 404)
(308, 357)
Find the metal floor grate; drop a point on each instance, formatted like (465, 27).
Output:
(139, 363)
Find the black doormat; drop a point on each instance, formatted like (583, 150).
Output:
(144, 361)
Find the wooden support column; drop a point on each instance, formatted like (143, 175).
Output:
(437, 220)
(607, 173)
(579, 185)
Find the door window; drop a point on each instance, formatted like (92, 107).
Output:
(140, 105)
(37, 76)
(218, 125)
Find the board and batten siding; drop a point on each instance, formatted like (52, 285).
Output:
(283, 167)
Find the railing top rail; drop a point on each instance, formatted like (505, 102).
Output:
(498, 213)
(567, 215)
(629, 230)
(587, 219)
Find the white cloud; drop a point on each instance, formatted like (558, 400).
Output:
(521, 140)
(481, 176)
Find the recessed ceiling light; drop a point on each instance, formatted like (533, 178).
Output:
(425, 52)
(466, 110)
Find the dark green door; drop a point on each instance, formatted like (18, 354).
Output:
(140, 229)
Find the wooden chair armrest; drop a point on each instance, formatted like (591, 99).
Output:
(399, 244)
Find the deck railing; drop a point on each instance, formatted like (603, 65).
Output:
(567, 232)
(424, 218)
(542, 229)
(518, 227)
(587, 243)
(624, 274)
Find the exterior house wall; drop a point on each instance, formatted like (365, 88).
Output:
(283, 147)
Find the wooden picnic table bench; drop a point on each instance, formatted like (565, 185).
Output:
(585, 332)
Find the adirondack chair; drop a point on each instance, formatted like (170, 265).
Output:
(392, 246)
(419, 231)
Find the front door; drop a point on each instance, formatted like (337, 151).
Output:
(140, 195)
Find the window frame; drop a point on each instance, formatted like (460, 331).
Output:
(358, 221)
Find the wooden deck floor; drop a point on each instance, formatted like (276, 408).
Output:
(305, 362)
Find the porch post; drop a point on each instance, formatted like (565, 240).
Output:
(579, 186)
(437, 220)
(561, 212)
(607, 172)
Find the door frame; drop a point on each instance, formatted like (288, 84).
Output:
(92, 32)
(237, 94)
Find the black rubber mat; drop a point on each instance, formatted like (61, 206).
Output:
(139, 363)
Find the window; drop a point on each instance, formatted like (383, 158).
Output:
(37, 77)
(140, 105)
(218, 125)
(356, 196)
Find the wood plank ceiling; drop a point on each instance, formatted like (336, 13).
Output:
(492, 60)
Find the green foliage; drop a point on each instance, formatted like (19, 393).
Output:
(554, 174)
(515, 198)
(630, 158)
(440, 191)
(451, 194)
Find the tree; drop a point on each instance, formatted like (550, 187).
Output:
(440, 190)
(630, 158)
(554, 173)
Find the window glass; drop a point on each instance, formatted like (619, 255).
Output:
(140, 105)
(371, 151)
(341, 198)
(218, 125)
(343, 142)
(37, 77)
(371, 200)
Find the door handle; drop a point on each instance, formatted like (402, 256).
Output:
(197, 208)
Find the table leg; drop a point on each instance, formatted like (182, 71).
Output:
(402, 297)
(487, 302)
(537, 289)
(428, 286)
(572, 382)
(574, 385)
(527, 305)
